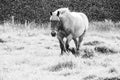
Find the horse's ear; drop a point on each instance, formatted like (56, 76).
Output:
(50, 13)
(58, 13)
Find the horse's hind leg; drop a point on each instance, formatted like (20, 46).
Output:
(80, 40)
(77, 46)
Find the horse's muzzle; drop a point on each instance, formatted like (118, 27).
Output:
(53, 33)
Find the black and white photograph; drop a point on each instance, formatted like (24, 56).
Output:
(59, 39)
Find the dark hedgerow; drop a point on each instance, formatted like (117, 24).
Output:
(38, 10)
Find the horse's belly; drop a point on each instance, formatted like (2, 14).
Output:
(78, 32)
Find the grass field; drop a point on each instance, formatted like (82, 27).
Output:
(28, 52)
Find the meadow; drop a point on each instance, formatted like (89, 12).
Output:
(28, 52)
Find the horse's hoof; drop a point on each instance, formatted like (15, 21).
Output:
(61, 54)
(77, 52)
(73, 50)
(76, 55)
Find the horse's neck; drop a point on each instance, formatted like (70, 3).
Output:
(61, 26)
(67, 19)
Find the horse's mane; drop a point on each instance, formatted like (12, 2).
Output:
(62, 10)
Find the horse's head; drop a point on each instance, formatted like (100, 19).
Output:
(55, 22)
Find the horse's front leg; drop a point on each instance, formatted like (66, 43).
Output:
(62, 45)
(69, 38)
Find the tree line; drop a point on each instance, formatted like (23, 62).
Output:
(38, 10)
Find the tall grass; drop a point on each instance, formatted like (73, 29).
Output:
(104, 26)
(28, 28)
(99, 26)
(27, 25)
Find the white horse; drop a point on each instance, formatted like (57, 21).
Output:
(69, 25)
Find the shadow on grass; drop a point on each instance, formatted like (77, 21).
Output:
(88, 53)
(2, 41)
(60, 66)
(90, 77)
(113, 78)
(93, 43)
(105, 50)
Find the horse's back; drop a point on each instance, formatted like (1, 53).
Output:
(81, 18)
(80, 23)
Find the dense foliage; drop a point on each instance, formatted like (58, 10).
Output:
(38, 10)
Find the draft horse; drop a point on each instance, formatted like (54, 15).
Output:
(69, 25)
